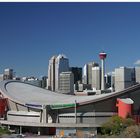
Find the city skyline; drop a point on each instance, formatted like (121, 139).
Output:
(31, 33)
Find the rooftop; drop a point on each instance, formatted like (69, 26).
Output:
(24, 93)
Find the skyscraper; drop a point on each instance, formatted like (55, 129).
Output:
(44, 81)
(66, 83)
(96, 78)
(77, 72)
(87, 72)
(8, 74)
(137, 73)
(57, 64)
(51, 74)
(124, 77)
(108, 80)
(61, 65)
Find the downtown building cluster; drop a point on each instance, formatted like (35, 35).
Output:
(61, 77)
(9, 74)
(76, 80)
(92, 79)
(52, 109)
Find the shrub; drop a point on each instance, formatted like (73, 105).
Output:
(131, 132)
(4, 130)
(116, 125)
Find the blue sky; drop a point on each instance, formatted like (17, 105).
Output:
(30, 33)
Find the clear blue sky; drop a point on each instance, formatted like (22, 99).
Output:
(30, 33)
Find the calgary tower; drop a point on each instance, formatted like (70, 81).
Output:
(102, 56)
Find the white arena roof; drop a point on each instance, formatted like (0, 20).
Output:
(24, 93)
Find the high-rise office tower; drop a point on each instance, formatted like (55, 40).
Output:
(66, 83)
(61, 65)
(51, 74)
(102, 56)
(124, 78)
(87, 72)
(113, 80)
(44, 82)
(96, 78)
(137, 74)
(8, 74)
(108, 80)
(77, 72)
(57, 64)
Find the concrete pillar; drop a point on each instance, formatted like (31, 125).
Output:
(8, 127)
(20, 130)
(75, 110)
(94, 114)
(57, 116)
(39, 131)
(45, 114)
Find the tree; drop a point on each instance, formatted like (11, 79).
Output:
(116, 125)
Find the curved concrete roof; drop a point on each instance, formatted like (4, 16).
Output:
(24, 93)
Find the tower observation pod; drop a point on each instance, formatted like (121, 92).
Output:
(102, 56)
